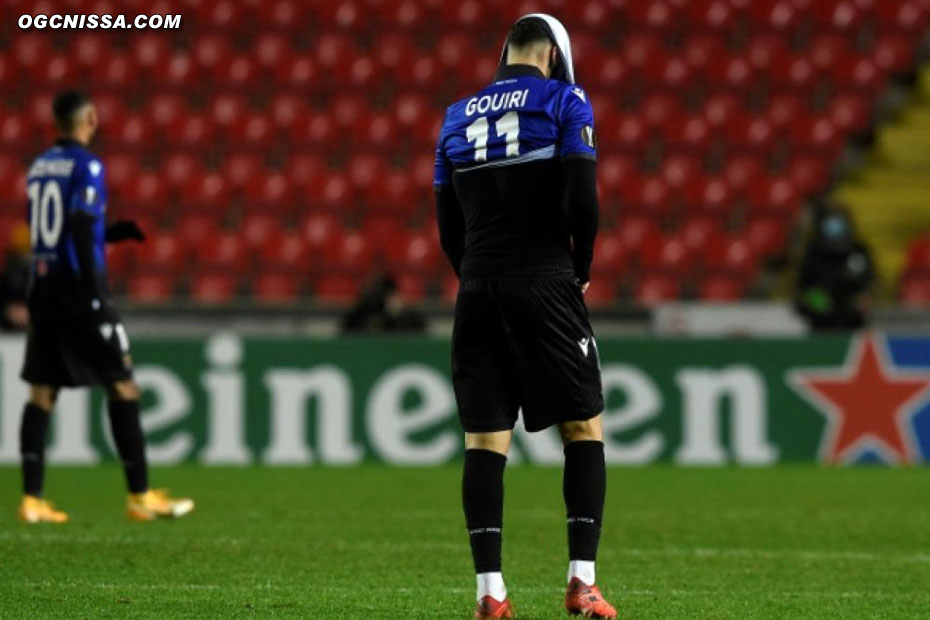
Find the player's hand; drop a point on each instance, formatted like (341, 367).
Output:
(584, 287)
(121, 230)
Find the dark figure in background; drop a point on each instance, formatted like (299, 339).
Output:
(836, 274)
(14, 313)
(381, 307)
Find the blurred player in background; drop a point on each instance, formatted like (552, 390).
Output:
(518, 213)
(75, 335)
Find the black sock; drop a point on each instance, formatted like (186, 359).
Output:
(483, 500)
(32, 433)
(130, 443)
(584, 485)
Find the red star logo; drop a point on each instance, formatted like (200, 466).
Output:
(868, 404)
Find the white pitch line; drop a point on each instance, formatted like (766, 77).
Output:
(700, 552)
(115, 586)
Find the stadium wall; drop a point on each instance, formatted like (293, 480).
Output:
(225, 399)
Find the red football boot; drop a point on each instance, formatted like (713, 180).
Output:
(586, 601)
(490, 608)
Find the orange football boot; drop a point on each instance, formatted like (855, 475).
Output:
(34, 509)
(157, 504)
(489, 608)
(587, 601)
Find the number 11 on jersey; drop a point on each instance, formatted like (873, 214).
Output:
(507, 126)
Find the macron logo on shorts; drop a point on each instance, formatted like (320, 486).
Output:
(583, 343)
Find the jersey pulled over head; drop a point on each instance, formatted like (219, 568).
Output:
(563, 68)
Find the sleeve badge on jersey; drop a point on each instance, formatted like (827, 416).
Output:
(89, 194)
(587, 136)
(95, 167)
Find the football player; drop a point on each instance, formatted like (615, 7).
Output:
(76, 337)
(518, 213)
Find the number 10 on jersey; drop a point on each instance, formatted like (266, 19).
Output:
(507, 126)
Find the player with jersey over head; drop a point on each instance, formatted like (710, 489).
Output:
(517, 209)
(75, 336)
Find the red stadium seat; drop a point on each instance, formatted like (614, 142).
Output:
(698, 230)
(90, 48)
(363, 73)
(209, 50)
(808, 174)
(242, 169)
(16, 131)
(270, 191)
(703, 51)
(902, 17)
(637, 233)
(196, 229)
(783, 109)
(750, 134)
(151, 287)
(282, 14)
(209, 192)
(286, 252)
(795, 73)
(775, 195)
(776, 15)
(299, 74)
(647, 194)
(131, 132)
(817, 135)
(213, 287)
(165, 110)
(767, 235)
(858, 74)
(258, 229)
(334, 53)
(894, 54)
(146, 193)
(223, 251)
(177, 71)
(350, 252)
(610, 257)
(303, 168)
(318, 230)
(717, 16)
(722, 288)
(653, 289)
(337, 289)
(162, 251)
(730, 255)
(710, 195)
(720, 108)
(668, 255)
(829, 50)
(691, 134)
(275, 287)
(193, 131)
(418, 252)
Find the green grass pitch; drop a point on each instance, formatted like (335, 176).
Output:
(374, 542)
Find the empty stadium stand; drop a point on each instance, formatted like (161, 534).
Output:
(280, 150)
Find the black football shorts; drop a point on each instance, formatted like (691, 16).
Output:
(71, 353)
(523, 343)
